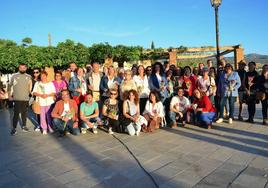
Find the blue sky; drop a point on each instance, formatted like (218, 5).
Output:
(137, 22)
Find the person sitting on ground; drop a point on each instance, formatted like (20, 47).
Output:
(65, 115)
(154, 111)
(178, 108)
(131, 118)
(110, 111)
(89, 114)
(203, 109)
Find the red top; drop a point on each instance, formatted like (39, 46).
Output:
(59, 108)
(188, 84)
(205, 104)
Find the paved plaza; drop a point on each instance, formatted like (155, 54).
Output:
(226, 156)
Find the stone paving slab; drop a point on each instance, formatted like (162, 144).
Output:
(226, 156)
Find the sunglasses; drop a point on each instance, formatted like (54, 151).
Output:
(113, 93)
(35, 72)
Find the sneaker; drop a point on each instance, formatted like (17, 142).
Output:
(83, 130)
(110, 131)
(51, 131)
(138, 133)
(230, 121)
(13, 132)
(25, 129)
(95, 131)
(220, 120)
(44, 132)
(250, 120)
(37, 129)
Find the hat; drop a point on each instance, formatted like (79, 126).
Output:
(205, 69)
(228, 65)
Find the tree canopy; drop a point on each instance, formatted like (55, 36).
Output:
(12, 54)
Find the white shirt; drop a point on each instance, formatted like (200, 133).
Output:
(157, 109)
(110, 83)
(44, 88)
(84, 86)
(159, 78)
(66, 110)
(96, 81)
(142, 86)
(180, 104)
(205, 84)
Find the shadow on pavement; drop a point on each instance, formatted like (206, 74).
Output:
(240, 139)
(239, 147)
(75, 161)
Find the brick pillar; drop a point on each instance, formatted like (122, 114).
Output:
(238, 56)
(173, 57)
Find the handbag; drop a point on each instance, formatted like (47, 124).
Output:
(260, 95)
(36, 107)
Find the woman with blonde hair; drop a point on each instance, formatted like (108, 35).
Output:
(109, 81)
(127, 84)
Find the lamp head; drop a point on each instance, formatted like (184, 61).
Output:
(215, 3)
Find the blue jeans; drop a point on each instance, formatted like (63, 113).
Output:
(231, 102)
(211, 98)
(59, 126)
(91, 120)
(172, 117)
(205, 118)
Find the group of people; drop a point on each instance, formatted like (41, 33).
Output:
(137, 99)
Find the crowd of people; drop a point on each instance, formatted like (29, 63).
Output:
(82, 99)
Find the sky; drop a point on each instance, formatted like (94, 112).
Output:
(169, 23)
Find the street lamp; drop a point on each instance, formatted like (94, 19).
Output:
(216, 4)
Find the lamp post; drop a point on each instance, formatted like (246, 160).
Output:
(216, 4)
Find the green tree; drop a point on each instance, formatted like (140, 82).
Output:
(26, 41)
(99, 52)
(66, 53)
(152, 45)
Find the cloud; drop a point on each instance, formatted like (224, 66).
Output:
(114, 33)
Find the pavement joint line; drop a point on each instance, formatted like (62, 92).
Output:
(223, 163)
(190, 166)
(266, 184)
(230, 183)
(21, 179)
(137, 160)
